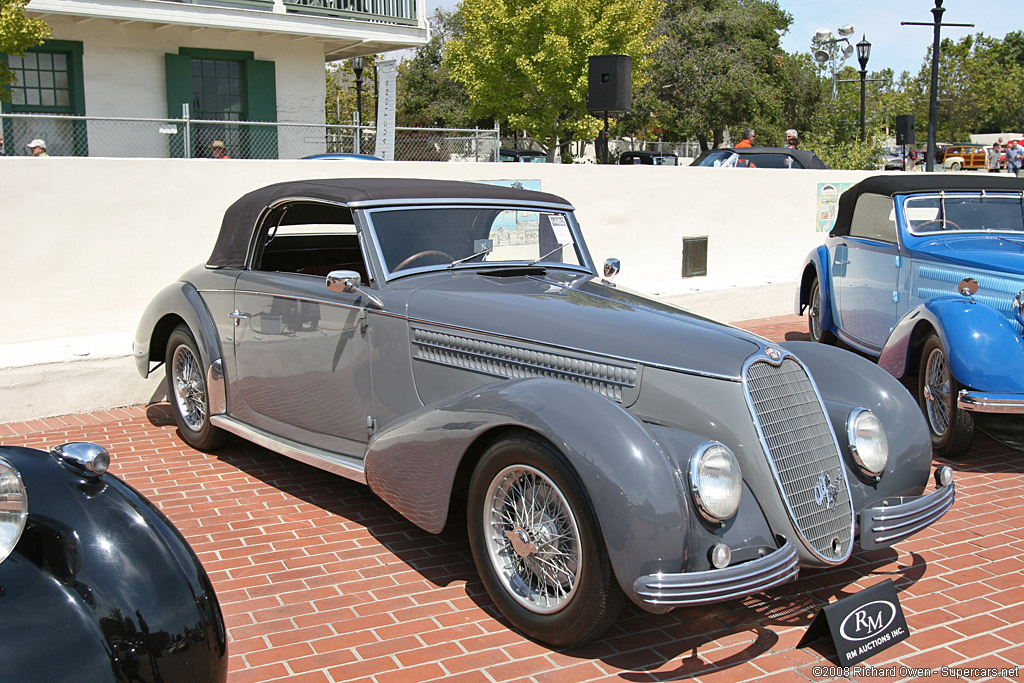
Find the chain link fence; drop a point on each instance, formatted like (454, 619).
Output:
(583, 150)
(95, 136)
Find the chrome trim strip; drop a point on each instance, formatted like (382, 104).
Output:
(880, 527)
(715, 585)
(804, 541)
(943, 195)
(455, 201)
(977, 402)
(335, 463)
(216, 393)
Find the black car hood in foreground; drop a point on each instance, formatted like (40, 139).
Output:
(580, 313)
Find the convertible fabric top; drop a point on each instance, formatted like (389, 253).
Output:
(900, 183)
(240, 218)
(806, 157)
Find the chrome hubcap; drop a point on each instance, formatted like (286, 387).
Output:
(937, 392)
(532, 539)
(189, 388)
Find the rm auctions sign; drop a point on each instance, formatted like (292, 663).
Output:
(864, 624)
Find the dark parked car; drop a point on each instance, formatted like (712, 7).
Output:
(443, 341)
(527, 156)
(95, 583)
(649, 158)
(759, 157)
(926, 274)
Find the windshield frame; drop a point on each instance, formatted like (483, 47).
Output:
(579, 246)
(943, 196)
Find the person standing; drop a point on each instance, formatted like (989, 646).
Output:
(38, 147)
(1013, 157)
(748, 138)
(992, 158)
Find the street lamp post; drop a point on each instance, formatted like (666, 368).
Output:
(863, 53)
(357, 68)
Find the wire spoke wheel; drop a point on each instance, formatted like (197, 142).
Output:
(951, 427)
(533, 540)
(939, 395)
(189, 388)
(814, 328)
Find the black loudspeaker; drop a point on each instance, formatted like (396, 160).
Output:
(610, 83)
(905, 129)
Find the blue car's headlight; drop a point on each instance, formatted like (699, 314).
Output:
(13, 508)
(868, 443)
(715, 481)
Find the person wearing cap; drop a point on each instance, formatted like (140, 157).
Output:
(792, 138)
(219, 150)
(38, 147)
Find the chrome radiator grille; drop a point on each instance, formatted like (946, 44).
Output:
(804, 454)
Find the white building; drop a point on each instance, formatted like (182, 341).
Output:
(230, 61)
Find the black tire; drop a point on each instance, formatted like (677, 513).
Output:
(955, 166)
(187, 391)
(951, 428)
(814, 328)
(578, 598)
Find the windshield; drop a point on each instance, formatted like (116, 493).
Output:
(724, 158)
(965, 212)
(434, 238)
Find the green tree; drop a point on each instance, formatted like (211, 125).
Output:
(720, 67)
(340, 103)
(427, 94)
(17, 34)
(524, 62)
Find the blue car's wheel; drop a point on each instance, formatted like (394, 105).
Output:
(817, 332)
(952, 429)
(536, 546)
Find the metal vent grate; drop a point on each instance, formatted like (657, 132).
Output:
(806, 459)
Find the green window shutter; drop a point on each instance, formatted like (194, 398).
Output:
(179, 92)
(261, 105)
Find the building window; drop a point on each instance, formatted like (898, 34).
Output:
(49, 81)
(224, 89)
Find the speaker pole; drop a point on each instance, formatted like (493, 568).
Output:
(605, 134)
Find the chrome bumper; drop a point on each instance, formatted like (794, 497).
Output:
(900, 517)
(977, 402)
(715, 585)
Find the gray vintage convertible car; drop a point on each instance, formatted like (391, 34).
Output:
(445, 341)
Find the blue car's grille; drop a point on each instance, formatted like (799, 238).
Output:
(995, 291)
(803, 450)
(505, 360)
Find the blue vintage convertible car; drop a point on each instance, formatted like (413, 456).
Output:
(454, 343)
(926, 274)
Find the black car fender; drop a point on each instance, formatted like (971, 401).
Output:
(630, 481)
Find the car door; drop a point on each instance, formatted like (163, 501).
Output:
(867, 273)
(302, 355)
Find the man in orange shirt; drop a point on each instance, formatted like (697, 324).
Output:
(748, 138)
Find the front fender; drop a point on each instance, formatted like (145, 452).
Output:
(983, 349)
(847, 381)
(816, 266)
(175, 303)
(633, 488)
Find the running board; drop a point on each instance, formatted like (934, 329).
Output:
(342, 465)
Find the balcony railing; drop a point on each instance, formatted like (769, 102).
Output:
(384, 11)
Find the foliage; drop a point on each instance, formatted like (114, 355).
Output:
(720, 67)
(427, 94)
(17, 34)
(340, 103)
(524, 62)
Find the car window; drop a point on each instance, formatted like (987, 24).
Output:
(874, 218)
(307, 238)
(438, 237)
(968, 212)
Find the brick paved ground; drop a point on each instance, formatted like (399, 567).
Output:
(320, 581)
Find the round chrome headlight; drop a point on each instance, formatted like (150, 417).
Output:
(13, 508)
(868, 443)
(715, 481)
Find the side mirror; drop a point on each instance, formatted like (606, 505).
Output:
(611, 267)
(344, 281)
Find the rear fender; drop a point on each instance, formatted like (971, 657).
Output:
(632, 485)
(816, 266)
(984, 350)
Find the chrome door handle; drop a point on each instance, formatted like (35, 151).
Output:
(238, 315)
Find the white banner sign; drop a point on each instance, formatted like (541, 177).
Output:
(386, 75)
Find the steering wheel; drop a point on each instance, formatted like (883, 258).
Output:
(426, 254)
(942, 222)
